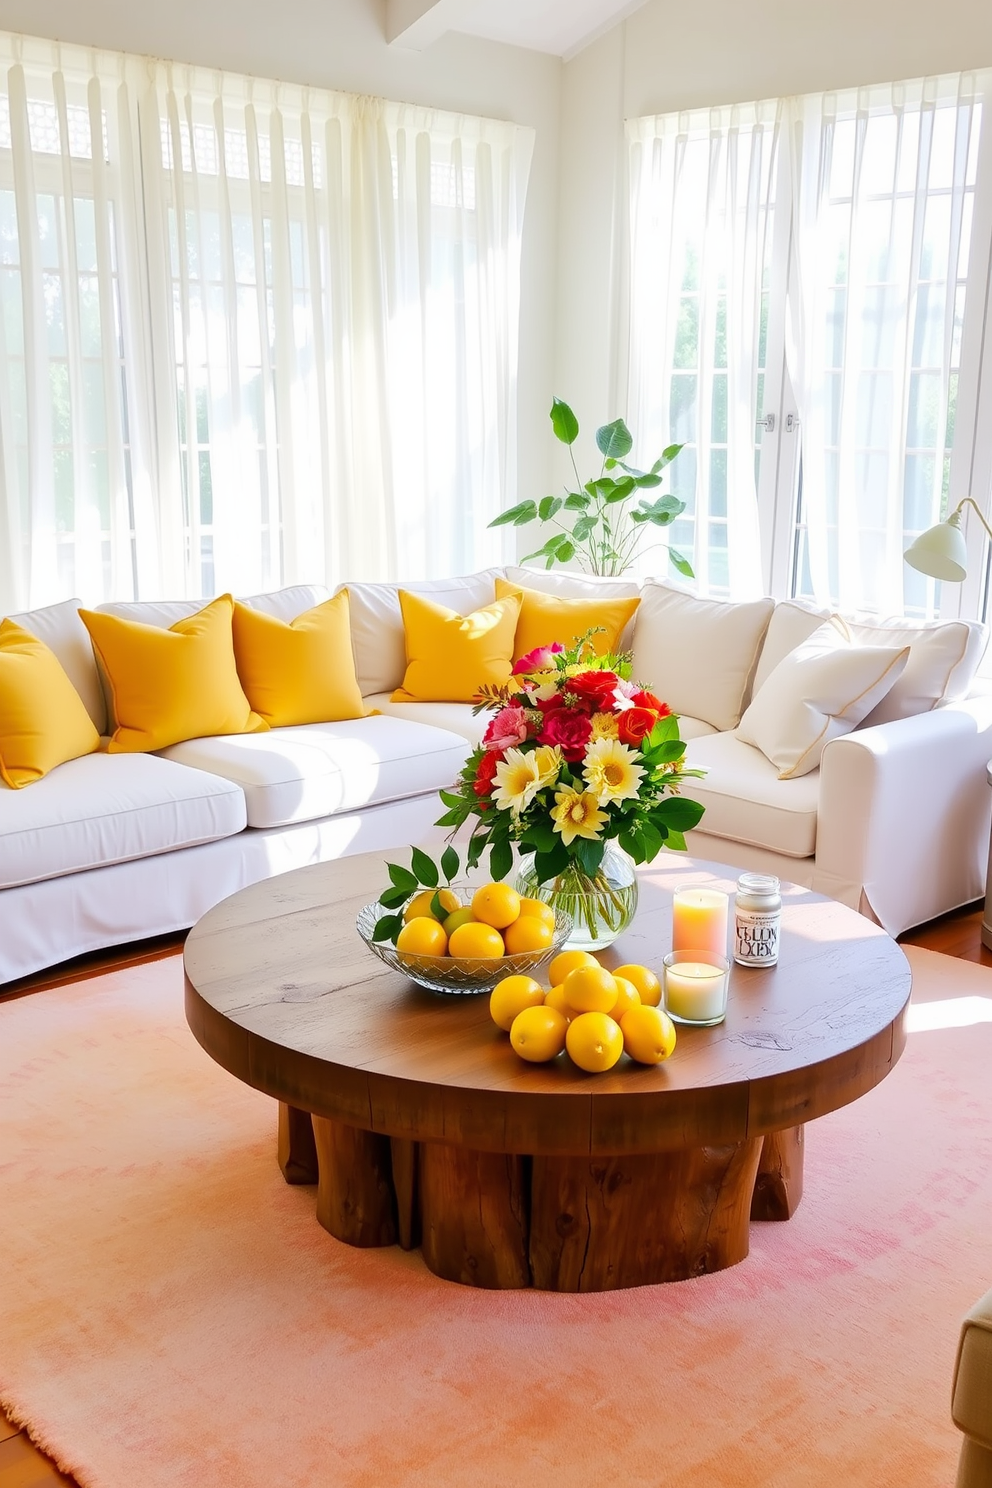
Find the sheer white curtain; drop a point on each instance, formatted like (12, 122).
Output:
(702, 214)
(264, 334)
(883, 195)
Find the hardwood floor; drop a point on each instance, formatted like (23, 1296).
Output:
(22, 1465)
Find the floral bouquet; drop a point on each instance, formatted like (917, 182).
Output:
(577, 760)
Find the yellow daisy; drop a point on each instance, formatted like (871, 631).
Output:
(604, 725)
(548, 762)
(611, 771)
(519, 777)
(577, 814)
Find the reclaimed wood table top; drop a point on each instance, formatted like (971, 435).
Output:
(281, 991)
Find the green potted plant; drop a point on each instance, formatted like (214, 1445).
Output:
(597, 522)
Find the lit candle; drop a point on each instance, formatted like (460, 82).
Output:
(695, 991)
(699, 920)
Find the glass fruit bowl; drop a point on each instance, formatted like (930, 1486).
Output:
(457, 974)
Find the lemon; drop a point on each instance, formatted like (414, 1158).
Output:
(539, 910)
(511, 996)
(474, 942)
(627, 997)
(594, 1042)
(590, 989)
(644, 980)
(462, 916)
(527, 933)
(538, 1034)
(422, 936)
(556, 999)
(567, 961)
(648, 1034)
(420, 905)
(496, 904)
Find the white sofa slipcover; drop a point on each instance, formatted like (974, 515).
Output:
(894, 822)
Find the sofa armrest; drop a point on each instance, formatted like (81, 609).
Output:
(903, 818)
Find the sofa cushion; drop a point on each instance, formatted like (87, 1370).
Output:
(792, 622)
(745, 800)
(286, 604)
(451, 657)
(300, 670)
(319, 769)
(377, 625)
(457, 718)
(547, 618)
(943, 658)
(100, 810)
(699, 655)
(818, 692)
(971, 1404)
(572, 585)
(43, 721)
(62, 631)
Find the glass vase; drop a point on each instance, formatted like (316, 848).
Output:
(601, 907)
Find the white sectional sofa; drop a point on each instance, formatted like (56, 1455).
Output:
(112, 848)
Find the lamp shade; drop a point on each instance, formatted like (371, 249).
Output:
(940, 552)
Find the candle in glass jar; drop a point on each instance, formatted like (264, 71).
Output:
(699, 920)
(695, 992)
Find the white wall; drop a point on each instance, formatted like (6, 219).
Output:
(671, 55)
(340, 44)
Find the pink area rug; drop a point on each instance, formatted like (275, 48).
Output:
(171, 1313)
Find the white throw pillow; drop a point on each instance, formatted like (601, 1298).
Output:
(944, 656)
(793, 622)
(818, 692)
(377, 634)
(287, 604)
(698, 655)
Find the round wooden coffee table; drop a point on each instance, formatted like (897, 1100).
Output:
(420, 1125)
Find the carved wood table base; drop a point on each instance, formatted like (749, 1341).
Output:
(561, 1224)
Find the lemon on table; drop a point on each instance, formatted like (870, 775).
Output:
(627, 997)
(594, 1042)
(527, 933)
(420, 905)
(590, 989)
(463, 916)
(556, 999)
(567, 961)
(496, 904)
(648, 1034)
(538, 910)
(644, 980)
(475, 942)
(422, 936)
(538, 1034)
(511, 996)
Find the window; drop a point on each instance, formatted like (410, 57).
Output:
(866, 306)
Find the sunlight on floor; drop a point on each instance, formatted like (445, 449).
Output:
(955, 1012)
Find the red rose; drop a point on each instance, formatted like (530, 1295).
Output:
(595, 690)
(485, 774)
(634, 724)
(549, 705)
(571, 731)
(644, 699)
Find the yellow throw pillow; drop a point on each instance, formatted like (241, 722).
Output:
(449, 656)
(303, 672)
(43, 720)
(175, 684)
(546, 618)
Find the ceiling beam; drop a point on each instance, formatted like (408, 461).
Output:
(417, 23)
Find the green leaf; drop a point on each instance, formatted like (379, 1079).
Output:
(588, 855)
(565, 553)
(450, 863)
(549, 507)
(668, 455)
(576, 501)
(540, 837)
(500, 859)
(387, 928)
(614, 440)
(548, 865)
(679, 813)
(549, 549)
(450, 799)
(639, 517)
(676, 842)
(524, 511)
(393, 898)
(682, 564)
(583, 527)
(646, 482)
(621, 490)
(437, 908)
(452, 818)
(425, 868)
(666, 728)
(401, 878)
(563, 422)
(668, 752)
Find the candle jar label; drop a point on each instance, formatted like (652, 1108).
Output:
(756, 937)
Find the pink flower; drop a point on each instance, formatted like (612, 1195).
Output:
(569, 730)
(508, 728)
(538, 660)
